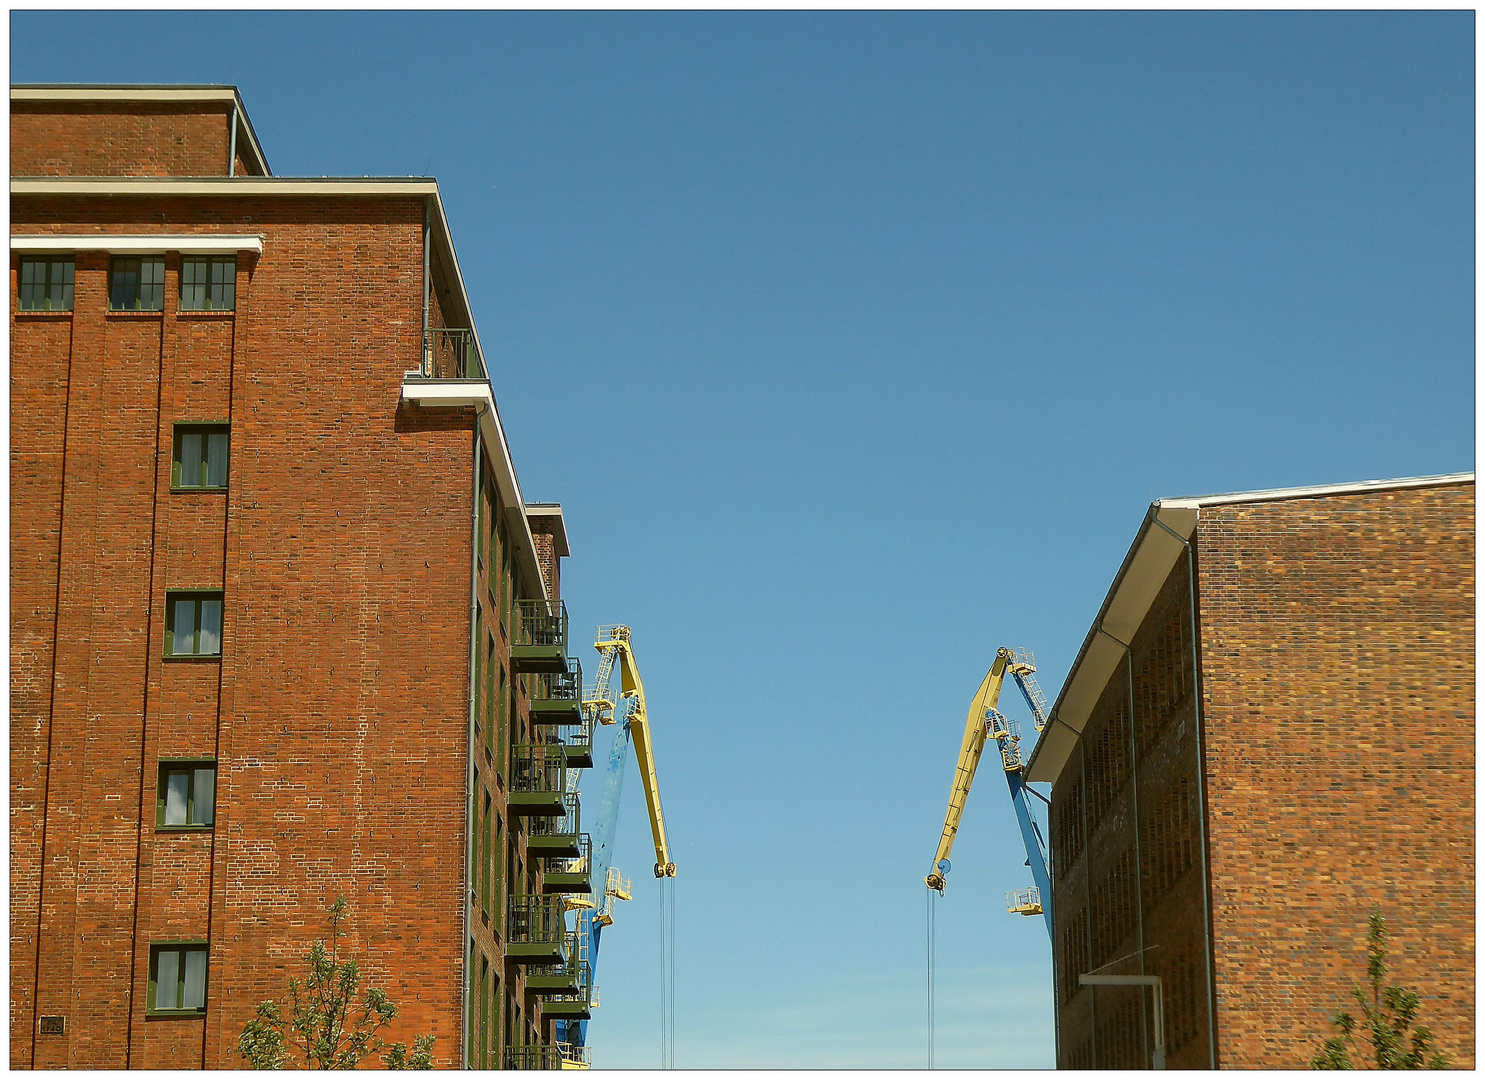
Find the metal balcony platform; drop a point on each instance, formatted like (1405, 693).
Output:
(537, 803)
(538, 659)
(579, 882)
(553, 845)
(533, 952)
(556, 711)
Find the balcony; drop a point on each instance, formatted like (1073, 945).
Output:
(538, 779)
(570, 873)
(556, 697)
(557, 837)
(536, 930)
(450, 353)
(540, 641)
(533, 1057)
(573, 1002)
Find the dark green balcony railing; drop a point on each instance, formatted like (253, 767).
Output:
(571, 1002)
(533, 1057)
(450, 353)
(557, 835)
(536, 932)
(539, 643)
(556, 696)
(538, 778)
(568, 874)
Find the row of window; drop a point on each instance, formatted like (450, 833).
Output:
(135, 283)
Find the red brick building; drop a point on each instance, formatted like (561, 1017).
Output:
(1268, 734)
(282, 625)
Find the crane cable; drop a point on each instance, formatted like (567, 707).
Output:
(667, 973)
(931, 913)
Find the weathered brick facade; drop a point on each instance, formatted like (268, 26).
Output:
(346, 712)
(1333, 652)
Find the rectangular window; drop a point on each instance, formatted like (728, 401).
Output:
(484, 1014)
(502, 723)
(200, 456)
(497, 863)
(187, 795)
(486, 905)
(136, 284)
(46, 284)
(474, 831)
(490, 665)
(178, 978)
(208, 284)
(193, 624)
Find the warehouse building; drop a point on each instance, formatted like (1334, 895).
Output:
(1268, 734)
(283, 627)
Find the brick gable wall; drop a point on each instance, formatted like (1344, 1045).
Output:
(1338, 643)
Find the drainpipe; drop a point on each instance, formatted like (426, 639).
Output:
(471, 804)
(1201, 794)
(424, 346)
(232, 142)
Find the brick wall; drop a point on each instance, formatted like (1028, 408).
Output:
(338, 712)
(1338, 636)
(1126, 867)
(128, 138)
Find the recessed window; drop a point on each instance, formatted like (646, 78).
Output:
(208, 284)
(178, 977)
(136, 284)
(187, 796)
(200, 458)
(46, 284)
(193, 624)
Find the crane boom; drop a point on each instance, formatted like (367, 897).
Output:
(983, 722)
(970, 749)
(615, 640)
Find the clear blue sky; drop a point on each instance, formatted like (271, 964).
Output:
(854, 346)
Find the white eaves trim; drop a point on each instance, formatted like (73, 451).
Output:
(186, 243)
(123, 93)
(171, 187)
(477, 393)
(1359, 487)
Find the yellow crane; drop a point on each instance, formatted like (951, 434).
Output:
(615, 651)
(984, 723)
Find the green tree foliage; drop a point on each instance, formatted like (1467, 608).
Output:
(1386, 1017)
(326, 1027)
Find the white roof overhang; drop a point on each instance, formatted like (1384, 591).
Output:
(146, 244)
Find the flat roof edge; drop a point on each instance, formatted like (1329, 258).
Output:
(1196, 502)
(224, 185)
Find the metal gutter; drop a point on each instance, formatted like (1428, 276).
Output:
(477, 393)
(210, 186)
